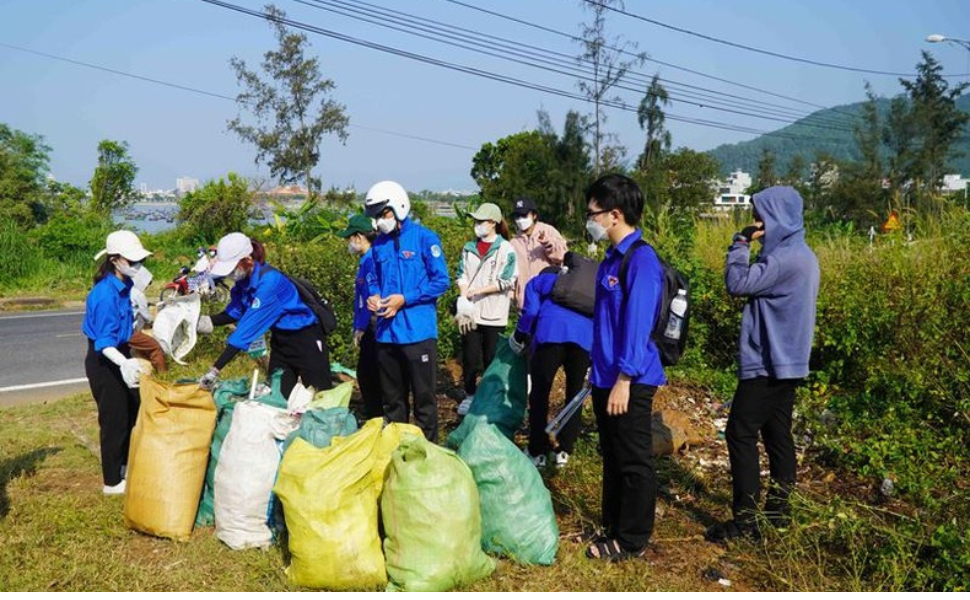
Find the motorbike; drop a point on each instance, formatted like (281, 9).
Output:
(208, 288)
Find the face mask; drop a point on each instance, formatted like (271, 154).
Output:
(142, 279)
(386, 225)
(127, 269)
(523, 223)
(238, 273)
(482, 230)
(596, 231)
(353, 247)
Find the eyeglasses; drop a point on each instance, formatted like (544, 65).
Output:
(592, 213)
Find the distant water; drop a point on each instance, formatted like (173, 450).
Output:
(152, 217)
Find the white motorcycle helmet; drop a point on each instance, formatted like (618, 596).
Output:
(387, 194)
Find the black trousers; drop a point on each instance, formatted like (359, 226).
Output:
(301, 353)
(407, 369)
(629, 479)
(761, 406)
(477, 351)
(369, 376)
(543, 365)
(117, 411)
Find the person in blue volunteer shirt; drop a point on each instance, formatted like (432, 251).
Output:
(626, 366)
(112, 373)
(411, 276)
(263, 299)
(559, 337)
(360, 234)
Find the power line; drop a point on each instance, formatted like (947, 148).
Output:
(186, 88)
(511, 50)
(481, 72)
(752, 48)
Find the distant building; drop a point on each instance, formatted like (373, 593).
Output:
(186, 185)
(730, 193)
(955, 183)
(143, 188)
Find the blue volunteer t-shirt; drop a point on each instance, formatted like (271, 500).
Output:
(264, 300)
(108, 318)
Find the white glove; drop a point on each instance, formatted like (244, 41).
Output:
(358, 335)
(131, 372)
(112, 354)
(464, 307)
(466, 324)
(204, 326)
(209, 380)
(515, 345)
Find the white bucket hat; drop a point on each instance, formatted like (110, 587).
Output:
(231, 249)
(126, 244)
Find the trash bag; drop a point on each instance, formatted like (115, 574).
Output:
(175, 325)
(167, 458)
(320, 425)
(391, 437)
(245, 473)
(226, 394)
(501, 398)
(432, 520)
(518, 520)
(338, 396)
(330, 506)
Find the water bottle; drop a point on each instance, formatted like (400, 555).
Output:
(678, 309)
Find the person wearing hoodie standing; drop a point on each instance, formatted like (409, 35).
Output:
(411, 276)
(537, 245)
(777, 327)
(360, 234)
(486, 277)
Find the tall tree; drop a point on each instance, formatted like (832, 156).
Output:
(766, 176)
(651, 117)
(937, 121)
(112, 186)
(291, 104)
(23, 166)
(609, 68)
(217, 208)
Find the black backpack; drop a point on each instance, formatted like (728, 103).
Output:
(575, 288)
(670, 348)
(320, 306)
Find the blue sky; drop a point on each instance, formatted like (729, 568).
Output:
(175, 133)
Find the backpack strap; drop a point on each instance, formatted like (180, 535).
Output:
(625, 266)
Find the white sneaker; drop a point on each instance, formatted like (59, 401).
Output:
(114, 490)
(538, 461)
(465, 406)
(562, 459)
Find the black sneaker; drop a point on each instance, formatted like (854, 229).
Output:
(732, 530)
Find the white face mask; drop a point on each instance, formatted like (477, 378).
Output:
(524, 223)
(142, 279)
(353, 247)
(596, 231)
(239, 273)
(483, 230)
(127, 269)
(386, 225)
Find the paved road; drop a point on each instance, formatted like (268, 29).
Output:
(41, 356)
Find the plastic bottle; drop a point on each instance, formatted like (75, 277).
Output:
(678, 309)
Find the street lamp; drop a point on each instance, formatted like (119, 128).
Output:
(936, 38)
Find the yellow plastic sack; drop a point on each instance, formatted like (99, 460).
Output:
(168, 457)
(338, 397)
(330, 506)
(391, 437)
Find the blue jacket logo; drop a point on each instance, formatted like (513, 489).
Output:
(256, 303)
(407, 253)
(612, 281)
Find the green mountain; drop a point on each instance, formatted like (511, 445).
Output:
(829, 131)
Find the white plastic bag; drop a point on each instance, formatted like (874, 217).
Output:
(175, 326)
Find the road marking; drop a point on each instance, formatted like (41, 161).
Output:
(38, 315)
(32, 386)
(68, 335)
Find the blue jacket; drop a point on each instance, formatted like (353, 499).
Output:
(547, 322)
(108, 318)
(264, 300)
(410, 261)
(365, 286)
(621, 329)
(778, 321)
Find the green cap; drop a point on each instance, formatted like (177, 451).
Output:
(488, 212)
(358, 224)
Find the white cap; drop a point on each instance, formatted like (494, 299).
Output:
(232, 248)
(126, 244)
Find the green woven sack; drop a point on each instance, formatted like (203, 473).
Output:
(501, 398)
(517, 516)
(432, 520)
(320, 425)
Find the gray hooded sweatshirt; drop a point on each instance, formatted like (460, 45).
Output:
(778, 322)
